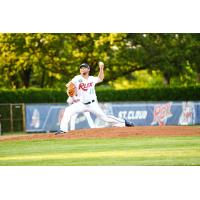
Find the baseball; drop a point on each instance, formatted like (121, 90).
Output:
(101, 63)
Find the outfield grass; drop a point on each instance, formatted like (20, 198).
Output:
(150, 151)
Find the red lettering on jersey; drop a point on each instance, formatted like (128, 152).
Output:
(84, 86)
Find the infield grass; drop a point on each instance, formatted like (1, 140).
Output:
(142, 151)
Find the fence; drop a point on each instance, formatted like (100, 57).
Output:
(12, 118)
(47, 117)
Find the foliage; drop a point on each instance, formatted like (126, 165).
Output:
(140, 79)
(47, 60)
(47, 95)
(32, 95)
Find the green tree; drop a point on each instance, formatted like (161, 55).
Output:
(162, 52)
(193, 54)
(51, 60)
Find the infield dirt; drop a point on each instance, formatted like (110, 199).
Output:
(111, 133)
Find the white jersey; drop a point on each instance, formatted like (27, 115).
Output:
(86, 87)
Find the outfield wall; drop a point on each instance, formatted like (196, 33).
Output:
(47, 117)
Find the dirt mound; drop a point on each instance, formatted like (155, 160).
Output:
(112, 133)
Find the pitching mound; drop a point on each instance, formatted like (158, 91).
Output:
(112, 133)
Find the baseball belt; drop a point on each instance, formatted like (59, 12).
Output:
(89, 102)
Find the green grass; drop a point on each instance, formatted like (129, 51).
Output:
(150, 151)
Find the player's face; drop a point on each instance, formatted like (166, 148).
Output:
(84, 71)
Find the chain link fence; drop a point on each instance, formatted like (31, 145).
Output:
(12, 118)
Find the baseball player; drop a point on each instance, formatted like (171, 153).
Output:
(85, 91)
(72, 100)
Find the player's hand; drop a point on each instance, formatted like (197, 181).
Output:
(71, 89)
(101, 65)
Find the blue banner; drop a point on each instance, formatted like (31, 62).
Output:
(43, 117)
(47, 117)
(159, 113)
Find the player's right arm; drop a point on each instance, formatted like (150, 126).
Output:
(101, 71)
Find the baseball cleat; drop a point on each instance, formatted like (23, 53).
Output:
(128, 123)
(59, 132)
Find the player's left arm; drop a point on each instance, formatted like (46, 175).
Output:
(101, 71)
(71, 88)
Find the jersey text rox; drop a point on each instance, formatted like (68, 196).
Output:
(85, 86)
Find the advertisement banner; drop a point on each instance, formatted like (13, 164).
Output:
(43, 117)
(159, 113)
(47, 117)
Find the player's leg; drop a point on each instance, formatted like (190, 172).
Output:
(68, 113)
(89, 119)
(73, 122)
(95, 108)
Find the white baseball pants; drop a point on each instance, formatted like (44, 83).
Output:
(94, 108)
(88, 117)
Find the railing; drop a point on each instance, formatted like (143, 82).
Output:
(12, 118)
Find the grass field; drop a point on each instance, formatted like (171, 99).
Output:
(150, 151)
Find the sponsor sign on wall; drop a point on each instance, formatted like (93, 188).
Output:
(47, 117)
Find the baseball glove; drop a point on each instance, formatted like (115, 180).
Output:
(71, 89)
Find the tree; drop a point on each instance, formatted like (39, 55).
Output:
(51, 60)
(163, 52)
(193, 54)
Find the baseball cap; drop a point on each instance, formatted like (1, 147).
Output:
(84, 65)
